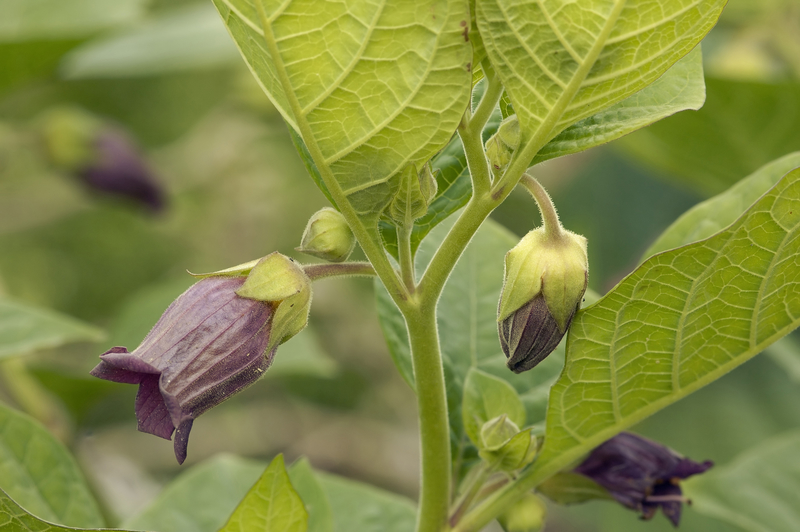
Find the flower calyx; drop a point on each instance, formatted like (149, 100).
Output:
(328, 236)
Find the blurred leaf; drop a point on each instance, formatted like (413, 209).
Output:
(364, 508)
(27, 20)
(23, 61)
(14, 518)
(392, 93)
(315, 500)
(705, 219)
(39, 473)
(571, 488)
(786, 354)
(597, 54)
(742, 126)
(681, 320)
(200, 499)
(487, 397)
(467, 315)
(758, 491)
(303, 356)
(272, 504)
(187, 38)
(680, 88)
(24, 329)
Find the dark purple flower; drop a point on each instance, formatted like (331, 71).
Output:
(641, 474)
(118, 168)
(208, 345)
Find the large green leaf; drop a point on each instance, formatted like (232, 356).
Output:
(564, 61)
(200, 499)
(378, 85)
(27, 20)
(272, 504)
(363, 508)
(40, 474)
(742, 126)
(24, 329)
(758, 491)
(14, 518)
(308, 486)
(681, 320)
(708, 217)
(186, 38)
(467, 316)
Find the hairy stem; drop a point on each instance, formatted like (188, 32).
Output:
(434, 428)
(343, 269)
(552, 226)
(405, 255)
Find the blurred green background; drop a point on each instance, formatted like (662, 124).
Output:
(168, 74)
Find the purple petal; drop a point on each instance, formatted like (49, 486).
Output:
(151, 412)
(182, 440)
(686, 468)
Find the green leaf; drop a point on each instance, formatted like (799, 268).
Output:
(681, 87)
(305, 481)
(14, 518)
(185, 38)
(758, 491)
(390, 93)
(571, 488)
(467, 316)
(741, 127)
(271, 505)
(359, 507)
(28, 20)
(710, 216)
(38, 472)
(786, 354)
(681, 320)
(487, 397)
(24, 329)
(561, 62)
(200, 499)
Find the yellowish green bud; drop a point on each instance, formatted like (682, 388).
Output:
(279, 280)
(525, 515)
(417, 190)
(501, 146)
(497, 431)
(328, 236)
(69, 136)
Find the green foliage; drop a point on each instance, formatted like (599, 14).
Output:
(272, 504)
(40, 474)
(14, 518)
(758, 491)
(390, 93)
(560, 66)
(682, 319)
(24, 329)
(487, 397)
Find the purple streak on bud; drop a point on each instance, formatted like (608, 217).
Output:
(641, 474)
(208, 345)
(118, 168)
(529, 334)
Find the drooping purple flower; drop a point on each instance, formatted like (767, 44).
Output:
(208, 345)
(641, 474)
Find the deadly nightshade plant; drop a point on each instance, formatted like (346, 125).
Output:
(408, 113)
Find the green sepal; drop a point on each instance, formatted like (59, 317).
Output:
(496, 432)
(279, 280)
(526, 515)
(240, 270)
(328, 236)
(515, 453)
(556, 267)
(417, 189)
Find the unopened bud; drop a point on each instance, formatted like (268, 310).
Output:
(545, 280)
(525, 515)
(417, 190)
(497, 431)
(328, 236)
(501, 146)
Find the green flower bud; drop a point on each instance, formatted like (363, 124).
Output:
(525, 515)
(279, 280)
(501, 146)
(497, 431)
(328, 236)
(417, 190)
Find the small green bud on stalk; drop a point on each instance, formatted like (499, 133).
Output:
(417, 190)
(501, 146)
(328, 236)
(525, 515)
(546, 276)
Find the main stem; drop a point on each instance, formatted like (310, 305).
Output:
(434, 428)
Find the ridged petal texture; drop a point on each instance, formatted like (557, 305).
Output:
(208, 345)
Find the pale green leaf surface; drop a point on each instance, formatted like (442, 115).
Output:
(363, 508)
(758, 492)
(389, 92)
(186, 38)
(27, 20)
(786, 354)
(200, 499)
(561, 62)
(710, 216)
(681, 320)
(741, 127)
(271, 505)
(487, 397)
(40, 474)
(467, 316)
(24, 328)
(680, 88)
(14, 518)
(315, 500)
